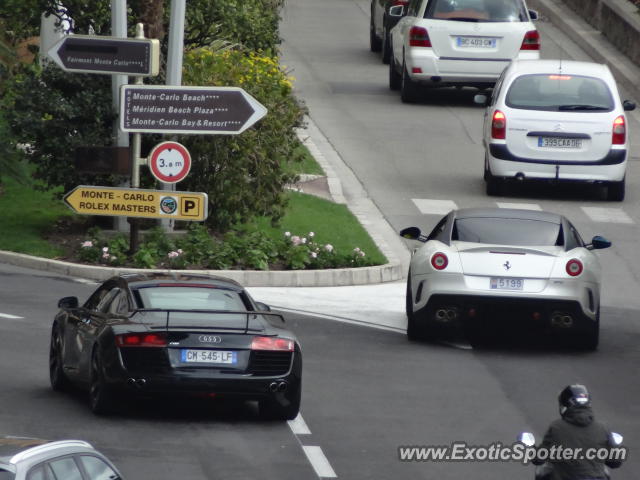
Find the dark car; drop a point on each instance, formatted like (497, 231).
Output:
(175, 335)
(381, 24)
(24, 458)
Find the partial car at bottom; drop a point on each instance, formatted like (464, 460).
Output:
(23, 458)
(175, 335)
(523, 267)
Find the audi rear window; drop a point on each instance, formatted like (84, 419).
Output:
(477, 10)
(186, 298)
(560, 93)
(508, 231)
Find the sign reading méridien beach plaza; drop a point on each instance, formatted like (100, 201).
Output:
(187, 110)
(107, 55)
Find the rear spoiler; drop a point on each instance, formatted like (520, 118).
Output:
(245, 329)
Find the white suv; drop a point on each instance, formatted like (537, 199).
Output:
(556, 120)
(458, 42)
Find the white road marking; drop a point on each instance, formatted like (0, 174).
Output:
(298, 426)
(319, 462)
(6, 315)
(434, 207)
(607, 215)
(523, 206)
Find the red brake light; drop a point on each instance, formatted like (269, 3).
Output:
(531, 41)
(619, 131)
(272, 343)
(419, 37)
(499, 125)
(404, 3)
(439, 261)
(574, 267)
(560, 77)
(141, 340)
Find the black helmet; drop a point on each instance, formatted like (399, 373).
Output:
(573, 396)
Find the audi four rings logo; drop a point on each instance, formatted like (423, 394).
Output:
(210, 339)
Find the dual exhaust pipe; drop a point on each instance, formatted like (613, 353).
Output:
(446, 315)
(136, 382)
(561, 320)
(280, 386)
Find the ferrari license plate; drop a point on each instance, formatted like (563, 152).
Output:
(498, 283)
(559, 142)
(476, 42)
(209, 356)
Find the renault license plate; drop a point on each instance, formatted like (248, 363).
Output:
(499, 283)
(209, 356)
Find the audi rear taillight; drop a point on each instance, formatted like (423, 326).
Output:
(499, 125)
(531, 41)
(619, 131)
(439, 261)
(141, 340)
(419, 37)
(574, 267)
(272, 343)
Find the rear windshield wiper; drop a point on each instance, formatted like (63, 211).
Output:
(582, 107)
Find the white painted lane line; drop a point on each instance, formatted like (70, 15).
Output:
(607, 215)
(298, 426)
(319, 462)
(523, 206)
(434, 207)
(6, 315)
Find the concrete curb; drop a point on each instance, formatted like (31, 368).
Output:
(370, 217)
(594, 43)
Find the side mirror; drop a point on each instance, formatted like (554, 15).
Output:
(481, 99)
(533, 14)
(615, 439)
(412, 233)
(527, 438)
(263, 307)
(396, 11)
(68, 302)
(628, 105)
(598, 242)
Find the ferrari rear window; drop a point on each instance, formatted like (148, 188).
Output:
(556, 92)
(507, 231)
(477, 10)
(185, 298)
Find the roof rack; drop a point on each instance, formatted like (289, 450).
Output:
(46, 447)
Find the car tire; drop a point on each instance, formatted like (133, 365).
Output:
(386, 47)
(102, 398)
(589, 341)
(412, 328)
(272, 409)
(408, 88)
(59, 380)
(375, 44)
(395, 79)
(616, 191)
(494, 185)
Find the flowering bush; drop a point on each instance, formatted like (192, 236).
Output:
(240, 248)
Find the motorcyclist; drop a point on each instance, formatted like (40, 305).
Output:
(576, 429)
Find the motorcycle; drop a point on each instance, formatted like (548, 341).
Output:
(543, 471)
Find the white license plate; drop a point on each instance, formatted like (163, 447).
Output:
(209, 356)
(559, 142)
(476, 42)
(506, 283)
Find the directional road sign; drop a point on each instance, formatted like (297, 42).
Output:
(187, 110)
(107, 55)
(136, 202)
(169, 162)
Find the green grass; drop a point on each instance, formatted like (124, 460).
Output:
(308, 164)
(331, 223)
(26, 215)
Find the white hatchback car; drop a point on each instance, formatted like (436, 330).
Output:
(556, 120)
(458, 42)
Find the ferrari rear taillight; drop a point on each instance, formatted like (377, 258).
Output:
(531, 41)
(272, 343)
(141, 340)
(498, 125)
(439, 261)
(619, 135)
(574, 267)
(419, 37)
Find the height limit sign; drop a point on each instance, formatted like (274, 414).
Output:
(169, 162)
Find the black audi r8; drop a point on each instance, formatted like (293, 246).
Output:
(175, 334)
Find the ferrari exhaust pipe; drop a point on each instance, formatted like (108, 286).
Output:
(561, 320)
(136, 382)
(441, 315)
(273, 387)
(282, 386)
